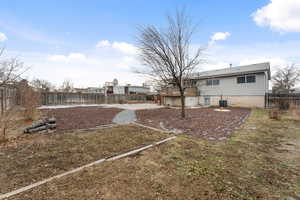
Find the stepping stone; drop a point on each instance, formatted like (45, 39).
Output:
(125, 117)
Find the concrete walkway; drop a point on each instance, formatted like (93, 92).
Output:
(125, 117)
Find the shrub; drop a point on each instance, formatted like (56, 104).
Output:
(274, 114)
(30, 100)
(284, 105)
(7, 121)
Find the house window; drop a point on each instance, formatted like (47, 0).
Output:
(216, 82)
(241, 79)
(251, 79)
(190, 83)
(246, 79)
(209, 82)
(193, 83)
(212, 82)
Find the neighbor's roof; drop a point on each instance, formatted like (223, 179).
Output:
(246, 69)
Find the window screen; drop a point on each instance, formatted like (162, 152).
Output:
(241, 79)
(251, 79)
(209, 82)
(216, 82)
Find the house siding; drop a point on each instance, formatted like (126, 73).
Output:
(176, 101)
(229, 87)
(237, 101)
(138, 90)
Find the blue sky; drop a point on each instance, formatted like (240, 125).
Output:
(58, 39)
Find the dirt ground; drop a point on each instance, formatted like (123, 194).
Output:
(252, 165)
(46, 155)
(81, 117)
(203, 122)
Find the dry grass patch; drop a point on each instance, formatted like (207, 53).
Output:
(248, 166)
(50, 155)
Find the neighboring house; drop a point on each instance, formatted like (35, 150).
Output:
(127, 90)
(138, 90)
(114, 88)
(95, 90)
(240, 86)
(89, 90)
(297, 90)
(118, 89)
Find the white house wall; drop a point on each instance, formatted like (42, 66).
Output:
(176, 101)
(118, 89)
(139, 90)
(229, 87)
(236, 101)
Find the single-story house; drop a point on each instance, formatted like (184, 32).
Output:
(129, 89)
(244, 86)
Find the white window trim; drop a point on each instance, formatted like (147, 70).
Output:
(245, 76)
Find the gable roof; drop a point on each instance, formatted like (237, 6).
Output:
(232, 71)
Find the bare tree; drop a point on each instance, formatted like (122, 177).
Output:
(10, 73)
(42, 85)
(166, 53)
(67, 85)
(285, 79)
(10, 70)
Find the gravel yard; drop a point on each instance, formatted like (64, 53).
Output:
(81, 117)
(203, 122)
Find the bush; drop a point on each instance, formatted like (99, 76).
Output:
(30, 100)
(283, 105)
(274, 114)
(7, 122)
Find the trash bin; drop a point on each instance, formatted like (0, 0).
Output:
(223, 103)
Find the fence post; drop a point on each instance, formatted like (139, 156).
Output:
(2, 99)
(266, 94)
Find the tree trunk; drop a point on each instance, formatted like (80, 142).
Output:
(182, 97)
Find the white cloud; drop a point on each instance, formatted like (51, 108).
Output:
(68, 58)
(103, 43)
(218, 36)
(129, 59)
(2, 37)
(280, 15)
(125, 47)
(122, 47)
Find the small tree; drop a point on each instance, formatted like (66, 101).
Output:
(166, 54)
(67, 85)
(10, 73)
(285, 79)
(41, 85)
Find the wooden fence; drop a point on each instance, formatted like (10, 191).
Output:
(63, 98)
(275, 100)
(8, 98)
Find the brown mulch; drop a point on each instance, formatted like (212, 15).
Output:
(203, 122)
(81, 117)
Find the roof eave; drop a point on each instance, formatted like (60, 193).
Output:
(235, 74)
